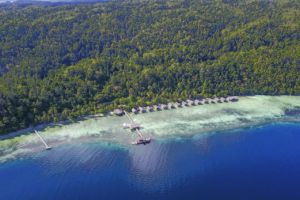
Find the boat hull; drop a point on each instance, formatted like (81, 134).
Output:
(142, 141)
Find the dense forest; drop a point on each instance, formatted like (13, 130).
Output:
(62, 61)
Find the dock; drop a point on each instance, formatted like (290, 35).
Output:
(131, 125)
(43, 141)
(139, 133)
(128, 116)
(136, 127)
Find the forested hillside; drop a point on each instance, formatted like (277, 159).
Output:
(63, 61)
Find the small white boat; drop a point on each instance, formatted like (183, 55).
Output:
(142, 141)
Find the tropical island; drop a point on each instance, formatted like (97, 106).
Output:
(61, 61)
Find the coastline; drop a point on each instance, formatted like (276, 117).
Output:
(137, 110)
(187, 121)
(162, 165)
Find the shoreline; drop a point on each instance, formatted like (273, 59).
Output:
(160, 107)
(186, 122)
(4, 158)
(46, 125)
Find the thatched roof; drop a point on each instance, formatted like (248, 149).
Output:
(118, 112)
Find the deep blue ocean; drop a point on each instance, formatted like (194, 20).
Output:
(259, 163)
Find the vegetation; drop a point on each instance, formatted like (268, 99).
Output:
(63, 61)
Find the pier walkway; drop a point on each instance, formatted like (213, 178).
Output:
(135, 127)
(43, 141)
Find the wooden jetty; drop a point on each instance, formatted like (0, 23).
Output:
(141, 139)
(131, 125)
(43, 141)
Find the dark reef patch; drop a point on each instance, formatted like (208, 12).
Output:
(292, 112)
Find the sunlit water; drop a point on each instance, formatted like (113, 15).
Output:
(244, 150)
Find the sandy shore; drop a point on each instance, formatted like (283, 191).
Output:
(248, 111)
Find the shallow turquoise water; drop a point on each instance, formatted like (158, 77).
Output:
(257, 163)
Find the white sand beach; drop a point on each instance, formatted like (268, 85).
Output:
(187, 121)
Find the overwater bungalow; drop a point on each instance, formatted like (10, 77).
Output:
(164, 107)
(178, 104)
(171, 105)
(157, 107)
(142, 109)
(149, 108)
(190, 102)
(118, 112)
(216, 100)
(99, 115)
(232, 98)
(134, 110)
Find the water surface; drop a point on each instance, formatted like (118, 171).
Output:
(256, 163)
(244, 150)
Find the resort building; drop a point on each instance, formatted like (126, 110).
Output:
(118, 112)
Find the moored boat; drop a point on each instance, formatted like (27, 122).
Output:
(142, 141)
